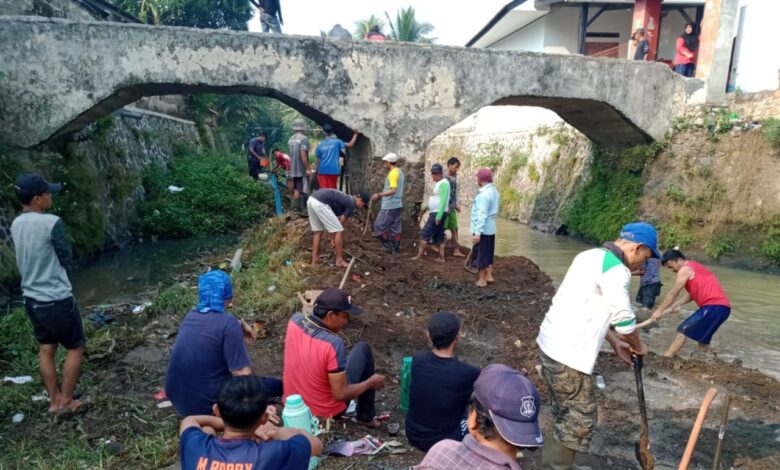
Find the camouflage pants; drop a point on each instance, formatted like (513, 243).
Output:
(572, 403)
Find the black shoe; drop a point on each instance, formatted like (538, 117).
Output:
(396, 246)
(385, 243)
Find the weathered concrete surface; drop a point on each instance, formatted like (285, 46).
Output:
(61, 75)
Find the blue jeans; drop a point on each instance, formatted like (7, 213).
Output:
(270, 23)
(686, 70)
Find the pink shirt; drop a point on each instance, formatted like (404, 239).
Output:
(679, 58)
(704, 287)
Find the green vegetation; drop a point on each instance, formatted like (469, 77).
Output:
(217, 196)
(194, 13)
(362, 27)
(772, 132)
(533, 173)
(489, 155)
(406, 28)
(771, 246)
(720, 246)
(611, 197)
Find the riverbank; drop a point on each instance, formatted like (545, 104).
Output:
(127, 360)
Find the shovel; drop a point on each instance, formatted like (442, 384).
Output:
(642, 446)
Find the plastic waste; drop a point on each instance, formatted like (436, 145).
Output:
(140, 308)
(175, 189)
(406, 383)
(17, 418)
(22, 379)
(297, 415)
(600, 382)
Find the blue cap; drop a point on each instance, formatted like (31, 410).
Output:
(641, 232)
(214, 288)
(437, 168)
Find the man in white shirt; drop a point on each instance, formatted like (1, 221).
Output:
(592, 303)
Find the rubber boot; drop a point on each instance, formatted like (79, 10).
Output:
(557, 457)
(396, 246)
(385, 242)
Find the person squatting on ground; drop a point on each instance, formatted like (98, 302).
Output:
(209, 349)
(438, 202)
(255, 152)
(42, 253)
(502, 420)
(328, 154)
(591, 303)
(270, 15)
(484, 211)
(317, 366)
(702, 287)
(388, 223)
(649, 283)
(249, 441)
(441, 387)
(298, 145)
(451, 224)
(328, 211)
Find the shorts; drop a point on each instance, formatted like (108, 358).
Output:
(704, 323)
(56, 322)
(433, 233)
(297, 184)
(647, 294)
(482, 252)
(388, 222)
(322, 217)
(328, 181)
(452, 221)
(572, 403)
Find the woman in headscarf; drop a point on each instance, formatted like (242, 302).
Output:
(687, 45)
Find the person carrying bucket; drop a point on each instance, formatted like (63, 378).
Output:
(702, 287)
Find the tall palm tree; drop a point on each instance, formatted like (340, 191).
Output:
(362, 27)
(406, 28)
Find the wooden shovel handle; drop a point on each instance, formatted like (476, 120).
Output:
(705, 406)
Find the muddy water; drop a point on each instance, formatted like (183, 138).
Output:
(125, 274)
(752, 333)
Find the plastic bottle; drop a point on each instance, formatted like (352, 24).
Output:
(406, 383)
(297, 415)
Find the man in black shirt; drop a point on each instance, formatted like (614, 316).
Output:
(270, 15)
(441, 387)
(328, 211)
(642, 47)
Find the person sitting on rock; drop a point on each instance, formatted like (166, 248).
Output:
(441, 387)
(502, 420)
(248, 440)
(209, 349)
(317, 366)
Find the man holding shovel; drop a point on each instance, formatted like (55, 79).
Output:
(592, 304)
(387, 226)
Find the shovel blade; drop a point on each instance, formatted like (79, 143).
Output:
(643, 454)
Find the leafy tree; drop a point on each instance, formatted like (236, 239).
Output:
(406, 28)
(362, 27)
(211, 14)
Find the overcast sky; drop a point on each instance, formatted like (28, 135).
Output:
(455, 21)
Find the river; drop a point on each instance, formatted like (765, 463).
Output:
(752, 333)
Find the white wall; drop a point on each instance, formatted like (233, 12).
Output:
(530, 38)
(561, 32)
(757, 59)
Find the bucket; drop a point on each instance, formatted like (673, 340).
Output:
(264, 162)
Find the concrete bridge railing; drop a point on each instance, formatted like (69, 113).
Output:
(60, 75)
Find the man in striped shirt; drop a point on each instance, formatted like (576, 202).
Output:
(592, 304)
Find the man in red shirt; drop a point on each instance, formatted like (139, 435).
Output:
(702, 287)
(283, 162)
(317, 366)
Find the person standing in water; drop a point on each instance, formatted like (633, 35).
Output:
(702, 287)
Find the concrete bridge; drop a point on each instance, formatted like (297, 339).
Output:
(61, 75)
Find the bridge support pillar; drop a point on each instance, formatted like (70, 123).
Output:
(715, 44)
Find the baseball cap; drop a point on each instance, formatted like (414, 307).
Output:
(390, 157)
(641, 232)
(214, 288)
(33, 184)
(640, 30)
(337, 300)
(299, 125)
(513, 403)
(443, 327)
(484, 174)
(437, 168)
(327, 128)
(364, 196)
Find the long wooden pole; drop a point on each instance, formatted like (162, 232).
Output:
(346, 273)
(721, 432)
(689, 448)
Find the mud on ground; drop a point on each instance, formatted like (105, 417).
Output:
(500, 324)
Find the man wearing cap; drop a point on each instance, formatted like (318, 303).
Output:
(328, 211)
(503, 419)
(329, 156)
(441, 387)
(317, 366)
(592, 303)
(387, 226)
(438, 203)
(42, 253)
(298, 145)
(484, 211)
(210, 349)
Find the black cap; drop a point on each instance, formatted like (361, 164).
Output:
(336, 300)
(327, 128)
(443, 328)
(364, 196)
(437, 168)
(33, 184)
